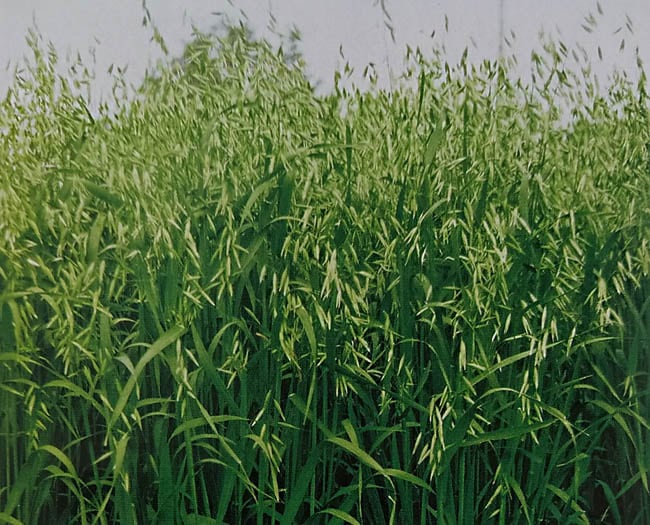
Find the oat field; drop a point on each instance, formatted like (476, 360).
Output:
(227, 299)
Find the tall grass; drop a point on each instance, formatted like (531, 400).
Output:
(234, 301)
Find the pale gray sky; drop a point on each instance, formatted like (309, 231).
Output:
(113, 28)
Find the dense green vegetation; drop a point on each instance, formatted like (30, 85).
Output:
(229, 300)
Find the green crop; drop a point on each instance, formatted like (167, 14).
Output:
(230, 300)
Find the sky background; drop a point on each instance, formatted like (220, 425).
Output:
(109, 32)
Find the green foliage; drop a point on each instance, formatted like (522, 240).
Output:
(234, 301)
